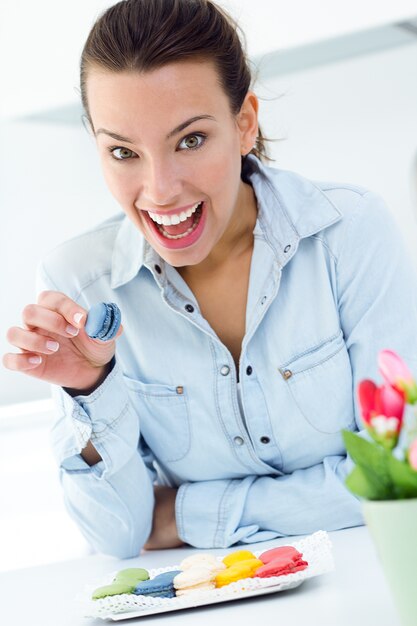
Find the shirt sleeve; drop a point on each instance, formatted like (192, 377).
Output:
(377, 302)
(112, 501)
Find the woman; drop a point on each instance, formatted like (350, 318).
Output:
(253, 301)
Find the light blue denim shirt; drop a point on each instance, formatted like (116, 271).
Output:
(330, 285)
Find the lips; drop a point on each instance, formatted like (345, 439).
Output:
(182, 242)
(176, 211)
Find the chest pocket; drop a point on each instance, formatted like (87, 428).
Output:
(320, 383)
(163, 418)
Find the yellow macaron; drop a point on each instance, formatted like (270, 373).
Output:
(238, 555)
(237, 571)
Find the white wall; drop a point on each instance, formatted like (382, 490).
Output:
(352, 121)
(42, 41)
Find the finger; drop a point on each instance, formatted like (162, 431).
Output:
(31, 341)
(62, 304)
(37, 316)
(21, 362)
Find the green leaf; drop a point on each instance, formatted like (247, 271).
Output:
(358, 483)
(373, 462)
(403, 477)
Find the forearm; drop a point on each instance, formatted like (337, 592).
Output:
(303, 502)
(164, 533)
(217, 514)
(90, 455)
(107, 481)
(114, 513)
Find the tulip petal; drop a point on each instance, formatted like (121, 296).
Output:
(366, 395)
(390, 402)
(392, 368)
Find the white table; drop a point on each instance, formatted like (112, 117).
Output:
(355, 593)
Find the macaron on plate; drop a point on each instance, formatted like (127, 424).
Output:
(208, 578)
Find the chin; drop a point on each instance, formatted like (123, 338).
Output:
(182, 258)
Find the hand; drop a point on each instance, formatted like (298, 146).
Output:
(164, 528)
(78, 362)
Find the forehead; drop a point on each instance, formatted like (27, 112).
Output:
(162, 96)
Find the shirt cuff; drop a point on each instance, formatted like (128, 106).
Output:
(208, 514)
(106, 417)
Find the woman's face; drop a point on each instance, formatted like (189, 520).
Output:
(175, 154)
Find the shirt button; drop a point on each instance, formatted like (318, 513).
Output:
(158, 269)
(263, 300)
(287, 374)
(238, 441)
(189, 308)
(225, 370)
(287, 248)
(265, 440)
(249, 370)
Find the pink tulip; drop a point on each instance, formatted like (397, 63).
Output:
(396, 373)
(412, 454)
(382, 410)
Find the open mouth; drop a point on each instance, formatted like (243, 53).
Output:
(182, 234)
(183, 229)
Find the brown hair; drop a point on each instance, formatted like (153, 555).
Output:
(142, 35)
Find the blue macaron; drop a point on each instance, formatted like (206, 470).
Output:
(161, 586)
(103, 321)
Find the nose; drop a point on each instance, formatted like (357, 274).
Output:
(162, 182)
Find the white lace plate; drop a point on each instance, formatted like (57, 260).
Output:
(316, 550)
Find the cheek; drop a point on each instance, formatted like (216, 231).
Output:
(118, 184)
(221, 174)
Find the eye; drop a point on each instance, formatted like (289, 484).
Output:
(192, 142)
(124, 154)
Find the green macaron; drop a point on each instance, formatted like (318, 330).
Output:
(131, 575)
(113, 590)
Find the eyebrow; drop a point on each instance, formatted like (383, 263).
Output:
(173, 132)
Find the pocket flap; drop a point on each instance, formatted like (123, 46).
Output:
(312, 357)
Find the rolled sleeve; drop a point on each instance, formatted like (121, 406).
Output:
(208, 513)
(105, 417)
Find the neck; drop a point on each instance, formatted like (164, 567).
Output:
(235, 242)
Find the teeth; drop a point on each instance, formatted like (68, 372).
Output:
(187, 232)
(168, 220)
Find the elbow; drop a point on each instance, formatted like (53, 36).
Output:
(123, 541)
(123, 544)
(119, 536)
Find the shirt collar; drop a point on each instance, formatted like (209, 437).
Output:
(290, 208)
(129, 253)
(299, 205)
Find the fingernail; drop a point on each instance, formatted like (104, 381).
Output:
(71, 330)
(35, 360)
(52, 345)
(78, 317)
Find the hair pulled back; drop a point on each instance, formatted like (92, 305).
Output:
(143, 35)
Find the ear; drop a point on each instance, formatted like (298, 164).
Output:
(247, 121)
